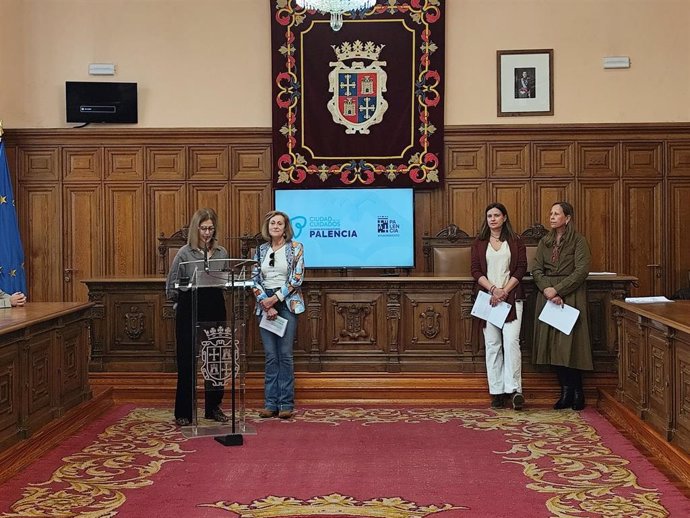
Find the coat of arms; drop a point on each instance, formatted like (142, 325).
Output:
(218, 354)
(357, 100)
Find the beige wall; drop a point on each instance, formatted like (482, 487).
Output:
(207, 62)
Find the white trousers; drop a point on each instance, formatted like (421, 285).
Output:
(503, 357)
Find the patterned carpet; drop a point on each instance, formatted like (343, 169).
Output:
(349, 462)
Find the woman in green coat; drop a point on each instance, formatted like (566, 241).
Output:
(561, 267)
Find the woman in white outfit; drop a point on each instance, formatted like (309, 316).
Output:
(499, 261)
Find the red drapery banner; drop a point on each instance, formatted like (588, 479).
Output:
(362, 106)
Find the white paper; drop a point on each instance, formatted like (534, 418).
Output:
(483, 309)
(276, 326)
(562, 318)
(646, 300)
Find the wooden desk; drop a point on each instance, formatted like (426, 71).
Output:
(654, 371)
(43, 365)
(352, 324)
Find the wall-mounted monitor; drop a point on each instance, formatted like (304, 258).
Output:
(352, 228)
(101, 102)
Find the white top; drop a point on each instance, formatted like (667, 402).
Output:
(498, 264)
(277, 275)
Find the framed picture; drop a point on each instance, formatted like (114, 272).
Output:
(525, 82)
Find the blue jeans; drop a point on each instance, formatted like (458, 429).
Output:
(279, 376)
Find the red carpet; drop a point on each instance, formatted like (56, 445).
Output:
(354, 462)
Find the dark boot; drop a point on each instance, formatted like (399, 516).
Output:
(578, 392)
(567, 390)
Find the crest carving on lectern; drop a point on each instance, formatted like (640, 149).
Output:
(218, 355)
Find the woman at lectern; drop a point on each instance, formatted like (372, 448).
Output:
(201, 247)
(562, 264)
(277, 279)
(499, 261)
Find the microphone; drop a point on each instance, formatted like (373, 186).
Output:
(206, 268)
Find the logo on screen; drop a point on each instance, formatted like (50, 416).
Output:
(298, 224)
(387, 226)
(328, 226)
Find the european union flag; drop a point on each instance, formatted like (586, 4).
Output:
(12, 274)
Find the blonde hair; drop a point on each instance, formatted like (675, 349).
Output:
(289, 233)
(198, 218)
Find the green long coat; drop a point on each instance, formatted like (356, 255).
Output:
(567, 275)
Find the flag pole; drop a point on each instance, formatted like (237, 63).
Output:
(0, 129)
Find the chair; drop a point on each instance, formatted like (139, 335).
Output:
(249, 244)
(448, 252)
(168, 247)
(531, 238)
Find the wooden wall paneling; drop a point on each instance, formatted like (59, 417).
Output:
(214, 196)
(658, 365)
(167, 213)
(249, 203)
(208, 163)
(466, 204)
(509, 160)
(681, 387)
(429, 218)
(39, 164)
(82, 164)
(554, 159)
(548, 192)
(465, 161)
(516, 197)
(632, 343)
(596, 217)
(356, 325)
(73, 366)
(642, 159)
(429, 319)
(598, 159)
(165, 163)
(124, 163)
(13, 165)
(679, 159)
(250, 163)
(40, 220)
(678, 215)
(642, 219)
(124, 229)
(83, 250)
(40, 358)
(10, 393)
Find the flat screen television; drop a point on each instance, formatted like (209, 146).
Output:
(91, 101)
(352, 228)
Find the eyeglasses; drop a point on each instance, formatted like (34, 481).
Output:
(271, 259)
(207, 229)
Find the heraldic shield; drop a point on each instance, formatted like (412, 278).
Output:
(357, 101)
(220, 346)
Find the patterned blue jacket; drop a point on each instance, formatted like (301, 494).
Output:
(291, 291)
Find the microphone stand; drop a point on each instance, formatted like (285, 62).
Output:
(206, 267)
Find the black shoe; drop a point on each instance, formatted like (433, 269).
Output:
(182, 421)
(497, 401)
(217, 415)
(518, 400)
(578, 399)
(566, 400)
